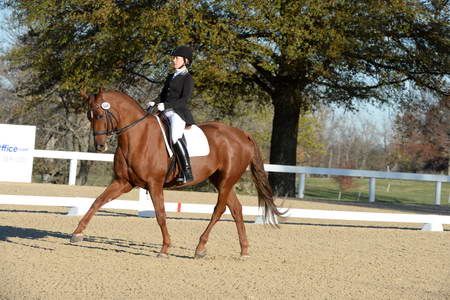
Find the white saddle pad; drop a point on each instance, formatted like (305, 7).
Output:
(196, 140)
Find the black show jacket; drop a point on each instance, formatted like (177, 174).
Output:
(176, 94)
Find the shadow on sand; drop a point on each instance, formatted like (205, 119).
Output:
(9, 234)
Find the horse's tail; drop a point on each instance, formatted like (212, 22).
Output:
(265, 194)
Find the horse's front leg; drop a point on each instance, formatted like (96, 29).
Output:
(156, 192)
(114, 190)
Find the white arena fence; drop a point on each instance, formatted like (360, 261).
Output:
(74, 157)
(144, 207)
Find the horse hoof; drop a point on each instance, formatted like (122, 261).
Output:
(162, 255)
(76, 238)
(200, 255)
(244, 257)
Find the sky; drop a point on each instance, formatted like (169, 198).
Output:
(382, 118)
(3, 23)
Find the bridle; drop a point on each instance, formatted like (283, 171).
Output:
(111, 121)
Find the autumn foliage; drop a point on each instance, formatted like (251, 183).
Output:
(345, 183)
(423, 135)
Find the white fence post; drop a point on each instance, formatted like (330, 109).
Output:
(301, 186)
(372, 187)
(437, 200)
(73, 171)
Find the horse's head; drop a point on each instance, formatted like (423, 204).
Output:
(103, 121)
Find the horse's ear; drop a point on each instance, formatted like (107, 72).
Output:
(101, 91)
(84, 94)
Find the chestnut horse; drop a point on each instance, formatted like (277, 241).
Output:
(142, 160)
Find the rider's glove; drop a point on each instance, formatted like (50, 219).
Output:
(151, 104)
(160, 106)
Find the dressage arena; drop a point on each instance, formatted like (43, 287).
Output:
(305, 259)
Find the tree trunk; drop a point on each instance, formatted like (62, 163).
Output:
(283, 144)
(448, 166)
(86, 144)
(330, 159)
(338, 160)
(82, 178)
(448, 156)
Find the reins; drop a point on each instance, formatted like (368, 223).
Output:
(109, 116)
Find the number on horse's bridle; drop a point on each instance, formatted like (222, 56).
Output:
(109, 116)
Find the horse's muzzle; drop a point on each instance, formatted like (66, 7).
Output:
(101, 147)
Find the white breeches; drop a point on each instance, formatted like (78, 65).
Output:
(177, 125)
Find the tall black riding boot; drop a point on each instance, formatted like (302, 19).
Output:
(183, 159)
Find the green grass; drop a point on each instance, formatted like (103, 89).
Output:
(400, 191)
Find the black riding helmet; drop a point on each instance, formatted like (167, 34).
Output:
(183, 51)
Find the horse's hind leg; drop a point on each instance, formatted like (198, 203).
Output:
(114, 190)
(236, 211)
(219, 209)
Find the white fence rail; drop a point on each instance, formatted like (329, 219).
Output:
(302, 171)
(145, 209)
(79, 206)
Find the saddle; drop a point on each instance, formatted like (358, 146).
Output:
(194, 137)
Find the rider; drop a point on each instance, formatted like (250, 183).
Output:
(172, 101)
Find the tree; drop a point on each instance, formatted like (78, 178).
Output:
(58, 128)
(352, 140)
(299, 52)
(310, 147)
(423, 135)
(289, 54)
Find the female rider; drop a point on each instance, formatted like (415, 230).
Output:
(172, 101)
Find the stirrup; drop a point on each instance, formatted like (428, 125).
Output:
(182, 179)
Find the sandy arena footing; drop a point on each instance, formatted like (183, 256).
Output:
(304, 259)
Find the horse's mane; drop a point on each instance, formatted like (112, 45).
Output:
(123, 97)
